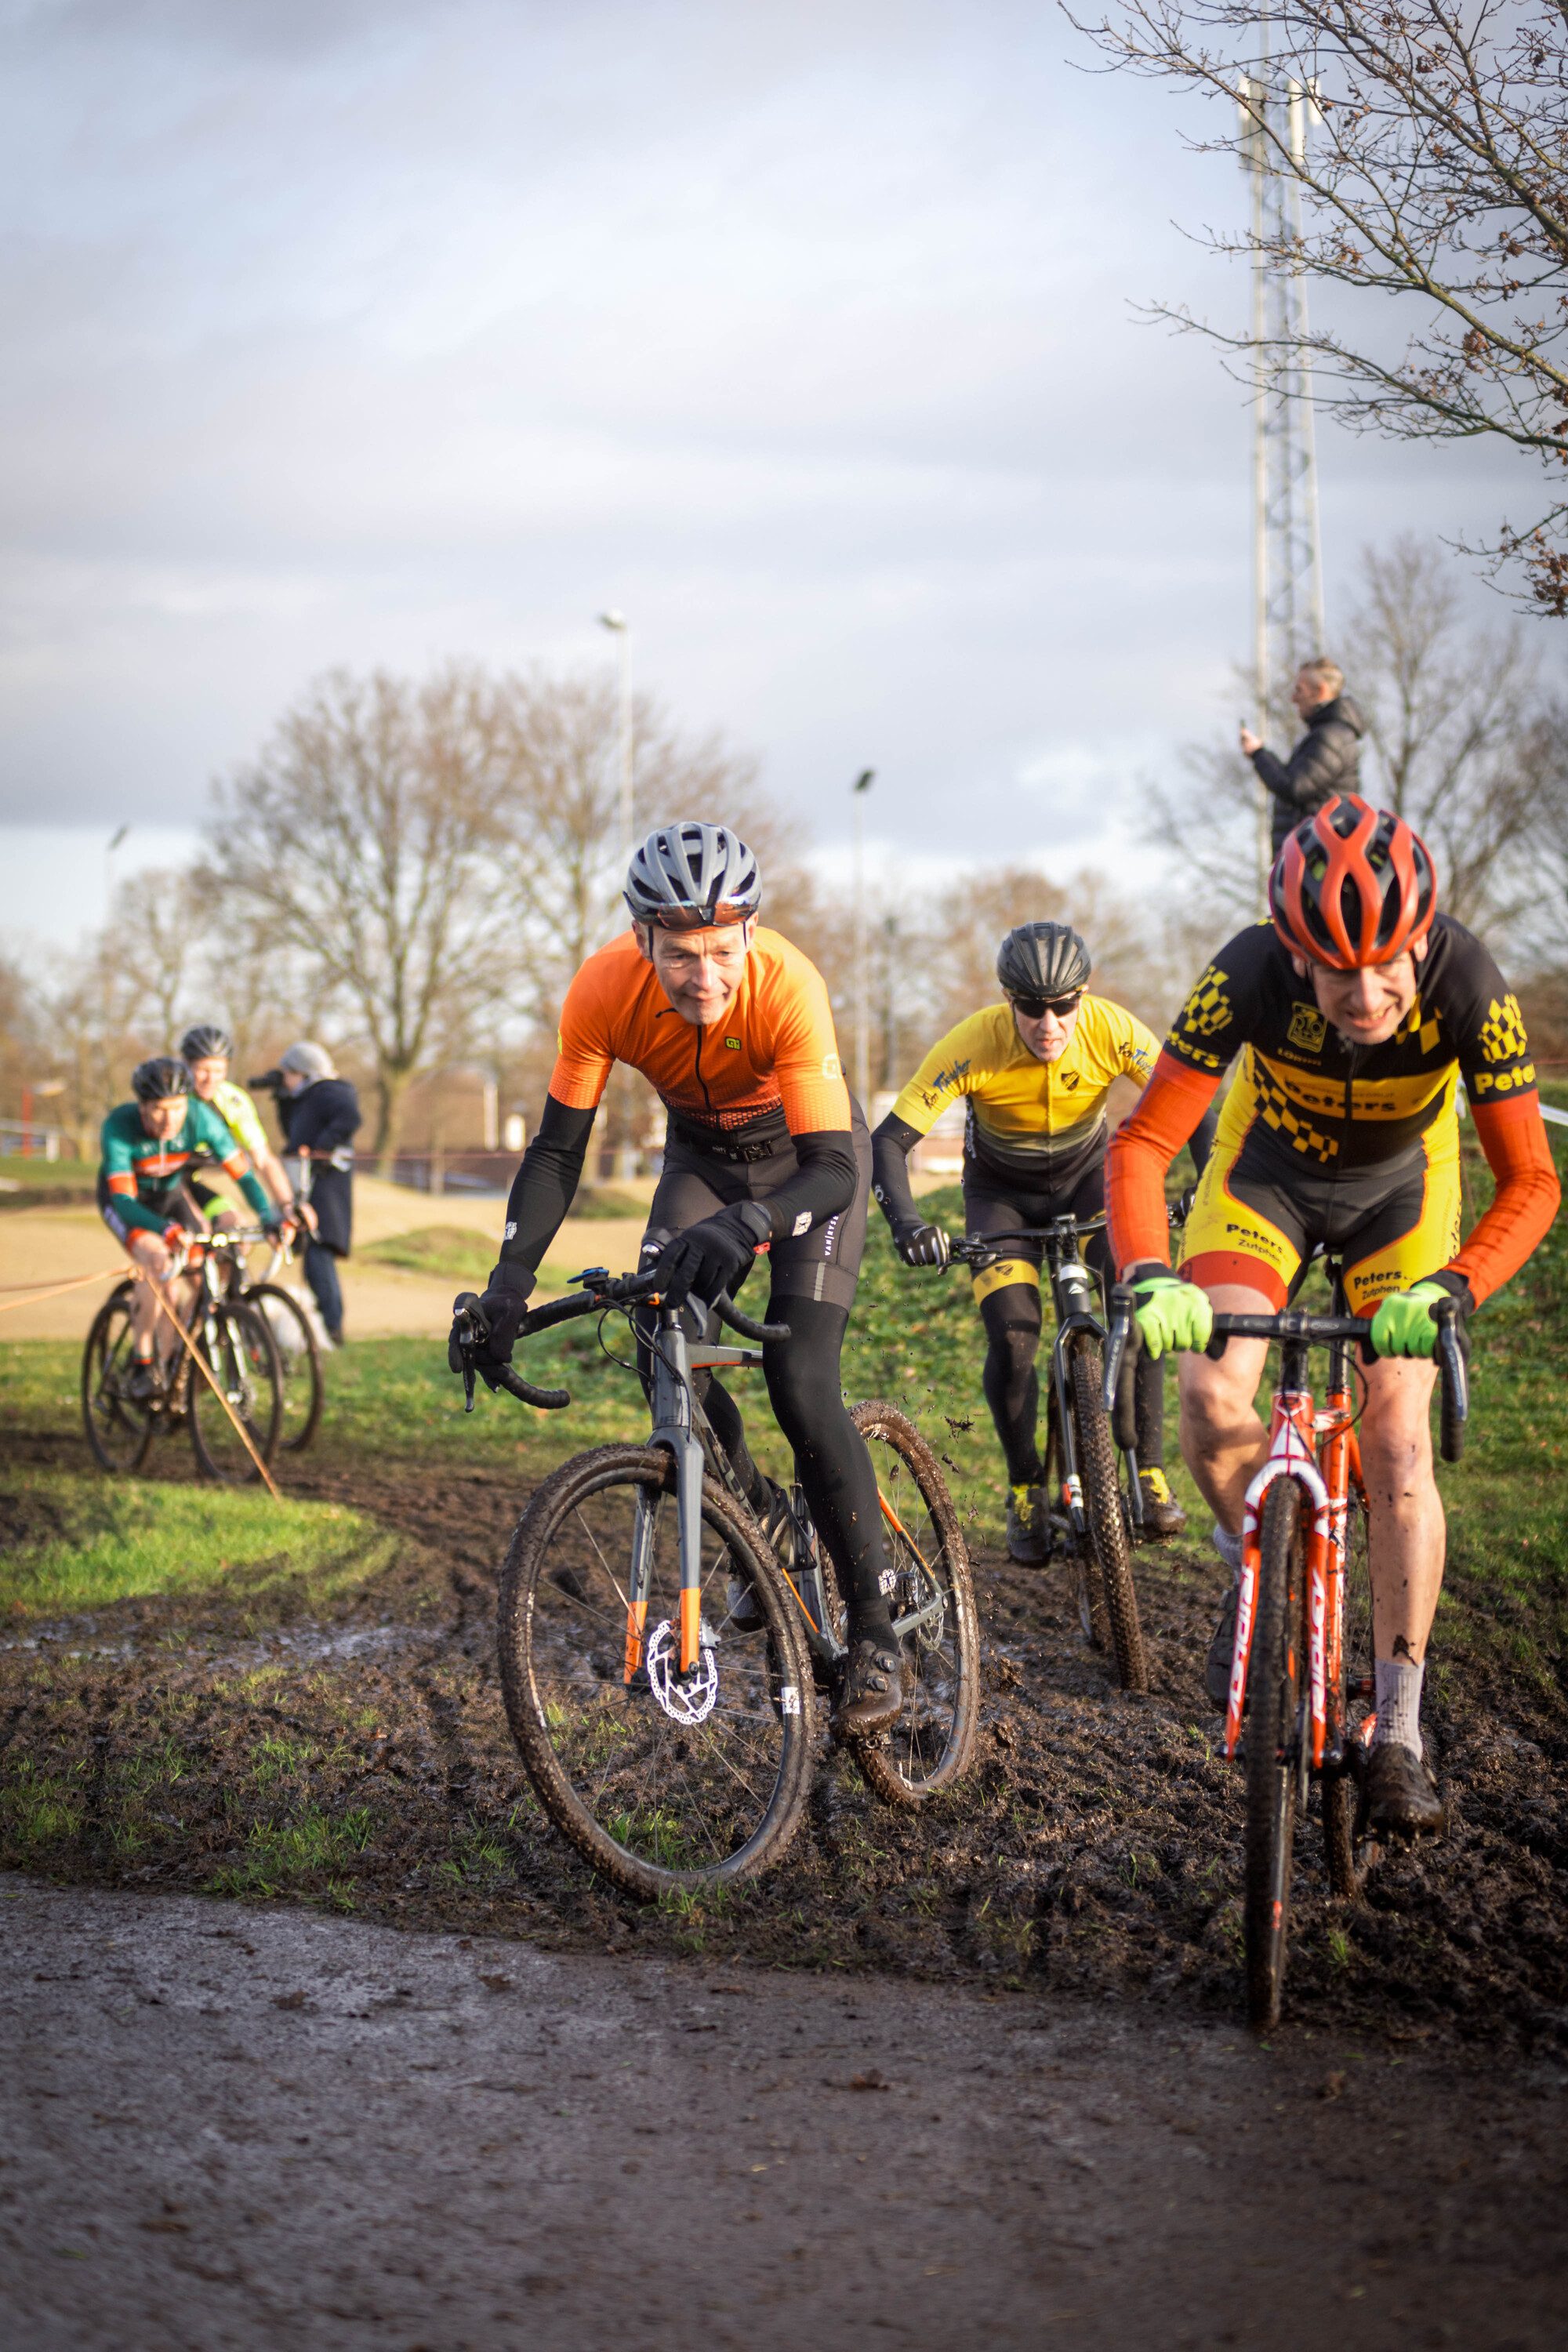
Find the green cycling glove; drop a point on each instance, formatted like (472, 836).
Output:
(1402, 1325)
(1172, 1314)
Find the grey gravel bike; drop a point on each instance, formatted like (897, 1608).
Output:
(662, 1651)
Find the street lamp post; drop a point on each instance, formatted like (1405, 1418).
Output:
(621, 628)
(858, 791)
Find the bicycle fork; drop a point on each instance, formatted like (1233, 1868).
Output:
(1291, 1457)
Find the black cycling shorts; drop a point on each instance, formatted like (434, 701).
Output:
(995, 1205)
(823, 1263)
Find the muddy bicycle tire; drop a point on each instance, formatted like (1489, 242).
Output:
(654, 1808)
(236, 1345)
(299, 1361)
(931, 1745)
(119, 1432)
(1276, 1680)
(1106, 1518)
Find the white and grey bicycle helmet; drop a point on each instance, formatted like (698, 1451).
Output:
(692, 877)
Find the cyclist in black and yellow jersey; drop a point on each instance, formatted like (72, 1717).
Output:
(1035, 1071)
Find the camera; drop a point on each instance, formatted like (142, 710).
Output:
(270, 1082)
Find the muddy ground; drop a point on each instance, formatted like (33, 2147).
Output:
(359, 1759)
(226, 2130)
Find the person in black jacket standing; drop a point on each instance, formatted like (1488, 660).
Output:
(320, 1115)
(1324, 762)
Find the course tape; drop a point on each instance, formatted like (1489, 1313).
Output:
(36, 1292)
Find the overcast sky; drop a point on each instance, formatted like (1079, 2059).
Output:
(359, 334)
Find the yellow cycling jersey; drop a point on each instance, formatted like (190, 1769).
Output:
(1025, 1117)
(241, 1118)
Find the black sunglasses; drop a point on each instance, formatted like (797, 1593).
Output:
(1035, 1008)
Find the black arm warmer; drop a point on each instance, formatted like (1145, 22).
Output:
(541, 1192)
(823, 1184)
(891, 1148)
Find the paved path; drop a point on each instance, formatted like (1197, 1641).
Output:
(231, 2128)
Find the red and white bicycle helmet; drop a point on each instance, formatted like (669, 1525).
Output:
(1353, 886)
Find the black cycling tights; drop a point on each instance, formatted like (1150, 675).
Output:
(831, 1462)
(1013, 1321)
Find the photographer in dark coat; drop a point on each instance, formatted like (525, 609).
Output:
(321, 1115)
(1325, 762)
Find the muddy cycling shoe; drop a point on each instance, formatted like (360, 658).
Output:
(1162, 1515)
(143, 1383)
(1222, 1650)
(871, 1695)
(1398, 1796)
(1028, 1530)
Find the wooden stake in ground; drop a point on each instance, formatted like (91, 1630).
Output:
(204, 1368)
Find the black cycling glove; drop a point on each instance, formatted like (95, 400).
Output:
(919, 1244)
(503, 1307)
(714, 1256)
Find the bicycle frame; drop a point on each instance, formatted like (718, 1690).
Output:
(682, 1428)
(1073, 1287)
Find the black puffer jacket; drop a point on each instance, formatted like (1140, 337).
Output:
(322, 1120)
(1325, 762)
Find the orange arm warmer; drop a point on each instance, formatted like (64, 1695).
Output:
(1514, 1137)
(1172, 1102)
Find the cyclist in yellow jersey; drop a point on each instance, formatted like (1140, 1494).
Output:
(1034, 1071)
(206, 1051)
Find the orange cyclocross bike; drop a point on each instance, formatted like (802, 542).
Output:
(1302, 1673)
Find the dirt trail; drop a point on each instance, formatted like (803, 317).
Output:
(248, 2129)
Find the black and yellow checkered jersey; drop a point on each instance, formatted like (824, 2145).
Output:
(1331, 1104)
(1042, 1121)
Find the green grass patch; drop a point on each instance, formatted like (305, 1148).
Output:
(451, 1252)
(40, 1175)
(83, 1543)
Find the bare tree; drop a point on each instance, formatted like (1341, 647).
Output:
(1439, 175)
(367, 837)
(160, 923)
(1451, 715)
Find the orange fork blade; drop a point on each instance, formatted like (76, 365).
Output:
(895, 1522)
(636, 1617)
(691, 1618)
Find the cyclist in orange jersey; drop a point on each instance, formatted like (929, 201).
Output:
(764, 1149)
(1356, 1011)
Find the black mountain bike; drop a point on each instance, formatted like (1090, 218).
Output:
(1095, 1506)
(233, 1340)
(660, 1651)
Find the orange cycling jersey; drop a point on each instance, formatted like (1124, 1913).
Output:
(771, 1064)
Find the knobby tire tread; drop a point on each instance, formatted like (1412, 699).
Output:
(206, 1412)
(528, 1560)
(877, 1416)
(1272, 1690)
(113, 1307)
(1102, 1505)
(258, 1291)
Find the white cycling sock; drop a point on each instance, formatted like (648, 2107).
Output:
(1398, 1703)
(1228, 1548)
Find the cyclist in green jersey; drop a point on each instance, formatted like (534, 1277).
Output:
(149, 1147)
(206, 1052)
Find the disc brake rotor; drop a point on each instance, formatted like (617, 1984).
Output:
(685, 1698)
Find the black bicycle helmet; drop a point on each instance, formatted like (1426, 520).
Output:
(206, 1042)
(1040, 963)
(692, 877)
(160, 1079)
